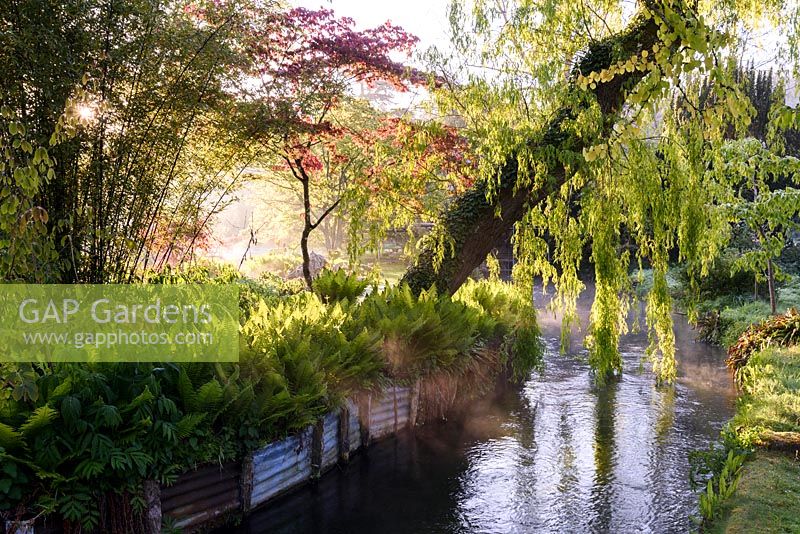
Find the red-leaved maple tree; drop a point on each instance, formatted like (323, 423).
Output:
(305, 63)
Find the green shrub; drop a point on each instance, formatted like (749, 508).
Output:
(312, 354)
(735, 320)
(721, 487)
(200, 273)
(71, 435)
(431, 332)
(781, 331)
(721, 279)
(789, 293)
(420, 334)
(334, 286)
(250, 290)
(275, 262)
(267, 287)
(513, 317)
(642, 281)
(724, 318)
(86, 432)
(789, 260)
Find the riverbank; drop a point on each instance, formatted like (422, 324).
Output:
(767, 424)
(758, 459)
(558, 454)
(767, 499)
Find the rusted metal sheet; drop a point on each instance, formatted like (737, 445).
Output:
(281, 466)
(349, 431)
(389, 411)
(330, 441)
(19, 527)
(202, 495)
(364, 402)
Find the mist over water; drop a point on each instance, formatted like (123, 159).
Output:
(557, 454)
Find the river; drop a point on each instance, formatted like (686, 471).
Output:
(557, 454)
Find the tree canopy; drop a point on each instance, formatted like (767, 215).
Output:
(583, 125)
(568, 107)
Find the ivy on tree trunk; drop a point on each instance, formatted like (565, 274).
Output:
(474, 225)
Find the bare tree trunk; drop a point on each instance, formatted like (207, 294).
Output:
(773, 299)
(300, 173)
(332, 232)
(307, 227)
(306, 257)
(471, 221)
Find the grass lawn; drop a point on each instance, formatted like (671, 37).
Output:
(393, 271)
(770, 400)
(738, 312)
(767, 499)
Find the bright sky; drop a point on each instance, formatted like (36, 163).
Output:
(427, 19)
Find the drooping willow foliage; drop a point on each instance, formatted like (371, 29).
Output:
(631, 182)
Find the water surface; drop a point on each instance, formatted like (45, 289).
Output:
(557, 454)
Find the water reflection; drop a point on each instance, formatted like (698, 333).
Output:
(557, 455)
(604, 455)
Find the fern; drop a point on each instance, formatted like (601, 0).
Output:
(89, 468)
(333, 286)
(102, 447)
(108, 416)
(188, 423)
(140, 400)
(108, 426)
(10, 439)
(70, 410)
(186, 390)
(39, 419)
(209, 396)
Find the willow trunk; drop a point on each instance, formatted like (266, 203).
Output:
(476, 225)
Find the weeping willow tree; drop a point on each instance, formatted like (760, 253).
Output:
(567, 103)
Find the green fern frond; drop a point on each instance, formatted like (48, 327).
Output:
(188, 423)
(39, 419)
(186, 391)
(10, 439)
(209, 396)
(143, 398)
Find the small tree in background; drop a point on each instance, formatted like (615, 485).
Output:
(770, 214)
(305, 63)
(338, 153)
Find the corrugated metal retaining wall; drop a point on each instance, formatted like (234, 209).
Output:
(389, 412)
(281, 466)
(202, 495)
(329, 453)
(352, 439)
(205, 494)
